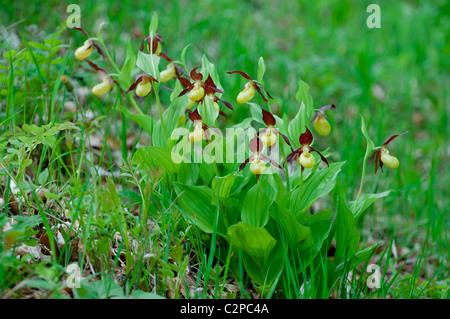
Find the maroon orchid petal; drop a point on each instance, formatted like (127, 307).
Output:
(327, 107)
(262, 87)
(272, 162)
(372, 157)
(316, 115)
(166, 88)
(228, 105)
(256, 145)
(186, 90)
(292, 156)
(286, 139)
(306, 138)
(143, 42)
(223, 114)
(268, 118)
(320, 154)
(184, 82)
(99, 50)
(95, 66)
(241, 167)
(194, 116)
(118, 85)
(245, 75)
(392, 137)
(133, 86)
(260, 93)
(165, 57)
(195, 75)
(83, 31)
(209, 82)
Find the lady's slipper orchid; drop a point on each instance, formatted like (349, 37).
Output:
(156, 46)
(270, 134)
(142, 84)
(201, 130)
(321, 124)
(249, 91)
(257, 160)
(382, 155)
(103, 87)
(168, 73)
(85, 50)
(303, 155)
(198, 90)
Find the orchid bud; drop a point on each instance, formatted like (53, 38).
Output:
(197, 93)
(322, 126)
(168, 73)
(306, 159)
(84, 51)
(102, 88)
(197, 134)
(269, 138)
(246, 94)
(389, 160)
(144, 87)
(257, 166)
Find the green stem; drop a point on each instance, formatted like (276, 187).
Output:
(160, 113)
(361, 185)
(260, 197)
(301, 191)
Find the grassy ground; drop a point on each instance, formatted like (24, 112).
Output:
(396, 77)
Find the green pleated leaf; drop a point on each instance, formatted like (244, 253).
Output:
(317, 185)
(295, 232)
(347, 236)
(257, 201)
(196, 203)
(365, 201)
(225, 184)
(156, 157)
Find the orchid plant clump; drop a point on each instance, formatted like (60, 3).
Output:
(269, 226)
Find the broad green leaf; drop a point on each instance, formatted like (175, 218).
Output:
(212, 71)
(143, 120)
(148, 63)
(347, 236)
(303, 95)
(196, 203)
(225, 184)
(357, 259)
(365, 201)
(153, 25)
(298, 125)
(257, 201)
(370, 145)
(43, 177)
(139, 294)
(255, 110)
(295, 232)
(156, 157)
(255, 241)
(261, 70)
(320, 231)
(128, 67)
(315, 186)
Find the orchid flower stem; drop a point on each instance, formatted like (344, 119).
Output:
(301, 191)
(361, 185)
(160, 113)
(260, 200)
(132, 100)
(286, 166)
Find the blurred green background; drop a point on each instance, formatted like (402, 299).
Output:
(397, 77)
